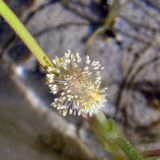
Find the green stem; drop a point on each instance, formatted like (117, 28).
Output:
(23, 33)
(110, 135)
(128, 149)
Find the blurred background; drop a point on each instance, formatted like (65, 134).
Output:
(124, 35)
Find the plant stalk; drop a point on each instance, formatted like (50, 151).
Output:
(24, 35)
(109, 134)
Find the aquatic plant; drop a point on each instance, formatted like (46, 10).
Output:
(77, 83)
(86, 88)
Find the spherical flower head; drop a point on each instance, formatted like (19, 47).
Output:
(76, 85)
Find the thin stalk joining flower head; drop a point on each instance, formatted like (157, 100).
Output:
(23, 33)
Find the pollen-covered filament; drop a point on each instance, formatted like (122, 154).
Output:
(76, 85)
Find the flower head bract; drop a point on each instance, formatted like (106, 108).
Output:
(76, 85)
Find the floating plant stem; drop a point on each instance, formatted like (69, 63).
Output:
(23, 33)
